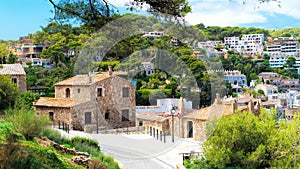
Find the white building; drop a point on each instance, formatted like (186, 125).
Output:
(153, 34)
(46, 63)
(235, 77)
(269, 90)
(253, 38)
(250, 44)
(286, 46)
(267, 75)
(163, 106)
(277, 60)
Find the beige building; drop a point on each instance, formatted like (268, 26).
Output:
(192, 123)
(17, 74)
(91, 102)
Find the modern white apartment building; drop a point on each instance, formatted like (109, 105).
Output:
(235, 77)
(253, 38)
(250, 44)
(277, 60)
(283, 46)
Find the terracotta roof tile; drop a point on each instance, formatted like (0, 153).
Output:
(57, 102)
(12, 69)
(210, 112)
(83, 80)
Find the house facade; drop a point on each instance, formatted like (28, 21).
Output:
(249, 44)
(17, 74)
(235, 77)
(91, 102)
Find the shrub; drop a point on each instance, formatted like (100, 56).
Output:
(26, 122)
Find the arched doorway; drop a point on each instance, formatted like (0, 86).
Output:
(68, 93)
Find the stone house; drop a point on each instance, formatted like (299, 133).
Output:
(192, 123)
(17, 74)
(91, 103)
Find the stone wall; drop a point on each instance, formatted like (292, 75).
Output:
(198, 129)
(157, 125)
(82, 92)
(59, 114)
(113, 102)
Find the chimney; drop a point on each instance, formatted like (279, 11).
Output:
(181, 105)
(218, 99)
(251, 106)
(110, 71)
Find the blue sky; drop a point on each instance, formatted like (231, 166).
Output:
(20, 17)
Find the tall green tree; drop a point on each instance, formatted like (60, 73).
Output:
(243, 140)
(96, 13)
(3, 53)
(8, 92)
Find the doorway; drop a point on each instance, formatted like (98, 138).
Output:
(190, 129)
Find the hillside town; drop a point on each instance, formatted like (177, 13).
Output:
(133, 91)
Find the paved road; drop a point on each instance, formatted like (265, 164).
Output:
(140, 151)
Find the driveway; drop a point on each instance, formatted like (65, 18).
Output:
(141, 151)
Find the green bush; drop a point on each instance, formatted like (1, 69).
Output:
(5, 130)
(26, 122)
(89, 142)
(32, 155)
(82, 144)
(55, 136)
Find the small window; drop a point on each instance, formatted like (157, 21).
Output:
(140, 123)
(88, 118)
(78, 90)
(99, 92)
(125, 115)
(125, 92)
(14, 80)
(51, 116)
(68, 93)
(106, 114)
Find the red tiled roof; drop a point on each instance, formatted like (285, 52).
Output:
(57, 102)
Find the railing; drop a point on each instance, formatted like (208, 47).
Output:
(62, 125)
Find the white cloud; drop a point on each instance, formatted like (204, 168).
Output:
(287, 7)
(234, 12)
(223, 13)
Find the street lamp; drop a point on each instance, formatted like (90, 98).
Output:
(173, 112)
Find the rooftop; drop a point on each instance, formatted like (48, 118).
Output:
(208, 113)
(83, 80)
(57, 102)
(12, 69)
(267, 73)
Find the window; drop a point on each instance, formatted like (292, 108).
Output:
(125, 115)
(67, 93)
(14, 80)
(78, 90)
(88, 118)
(51, 114)
(99, 92)
(125, 92)
(106, 114)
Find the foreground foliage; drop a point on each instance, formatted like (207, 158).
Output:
(83, 144)
(243, 140)
(8, 92)
(26, 122)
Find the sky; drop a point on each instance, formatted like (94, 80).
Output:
(21, 17)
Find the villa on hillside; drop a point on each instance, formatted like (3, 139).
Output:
(91, 102)
(17, 74)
